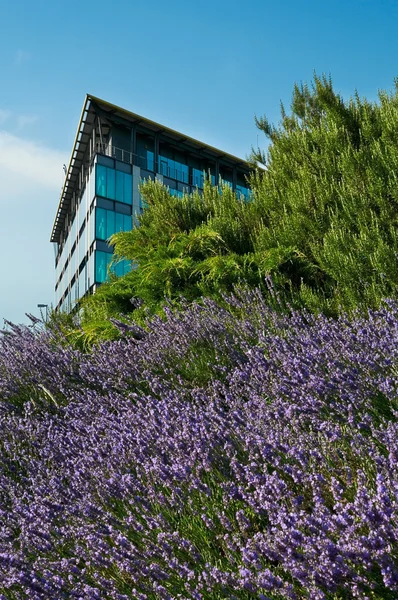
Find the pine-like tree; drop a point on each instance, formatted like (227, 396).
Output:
(329, 196)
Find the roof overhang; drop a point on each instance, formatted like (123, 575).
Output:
(84, 129)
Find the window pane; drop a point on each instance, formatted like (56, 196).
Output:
(197, 178)
(110, 223)
(246, 192)
(100, 224)
(163, 166)
(150, 161)
(110, 184)
(128, 188)
(127, 225)
(119, 221)
(101, 181)
(120, 186)
(100, 266)
(177, 193)
(182, 174)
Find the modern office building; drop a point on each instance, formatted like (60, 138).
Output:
(114, 150)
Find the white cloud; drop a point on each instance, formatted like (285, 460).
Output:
(26, 162)
(31, 178)
(21, 57)
(17, 122)
(4, 115)
(24, 120)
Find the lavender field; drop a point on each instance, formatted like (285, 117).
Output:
(221, 453)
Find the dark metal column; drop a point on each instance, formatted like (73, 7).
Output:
(133, 144)
(156, 153)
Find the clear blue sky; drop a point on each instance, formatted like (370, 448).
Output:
(203, 68)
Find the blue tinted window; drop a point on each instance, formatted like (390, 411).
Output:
(102, 260)
(177, 193)
(174, 169)
(110, 223)
(226, 182)
(150, 161)
(100, 223)
(100, 181)
(198, 178)
(102, 263)
(119, 222)
(246, 192)
(120, 186)
(123, 267)
(163, 166)
(110, 184)
(128, 188)
(127, 224)
(114, 185)
(183, 172)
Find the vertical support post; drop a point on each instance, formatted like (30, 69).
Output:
(133, 144)
(100, 132)
(156, 153)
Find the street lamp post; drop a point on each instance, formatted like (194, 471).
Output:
(41, 306)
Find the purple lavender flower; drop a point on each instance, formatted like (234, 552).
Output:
(218, 456)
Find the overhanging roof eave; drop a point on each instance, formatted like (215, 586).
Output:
(158, 128)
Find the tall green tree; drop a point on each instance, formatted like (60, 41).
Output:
(330, 192)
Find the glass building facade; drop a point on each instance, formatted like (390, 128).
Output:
(114, 151)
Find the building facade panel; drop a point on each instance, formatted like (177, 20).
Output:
(114, 151)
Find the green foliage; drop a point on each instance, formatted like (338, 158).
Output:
(322, 223)
(330, 193)
(200, 245)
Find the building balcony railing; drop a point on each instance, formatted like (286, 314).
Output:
(144, 162)
(118, 153)
(177, 171)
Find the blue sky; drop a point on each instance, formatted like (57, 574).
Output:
(203, 68)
